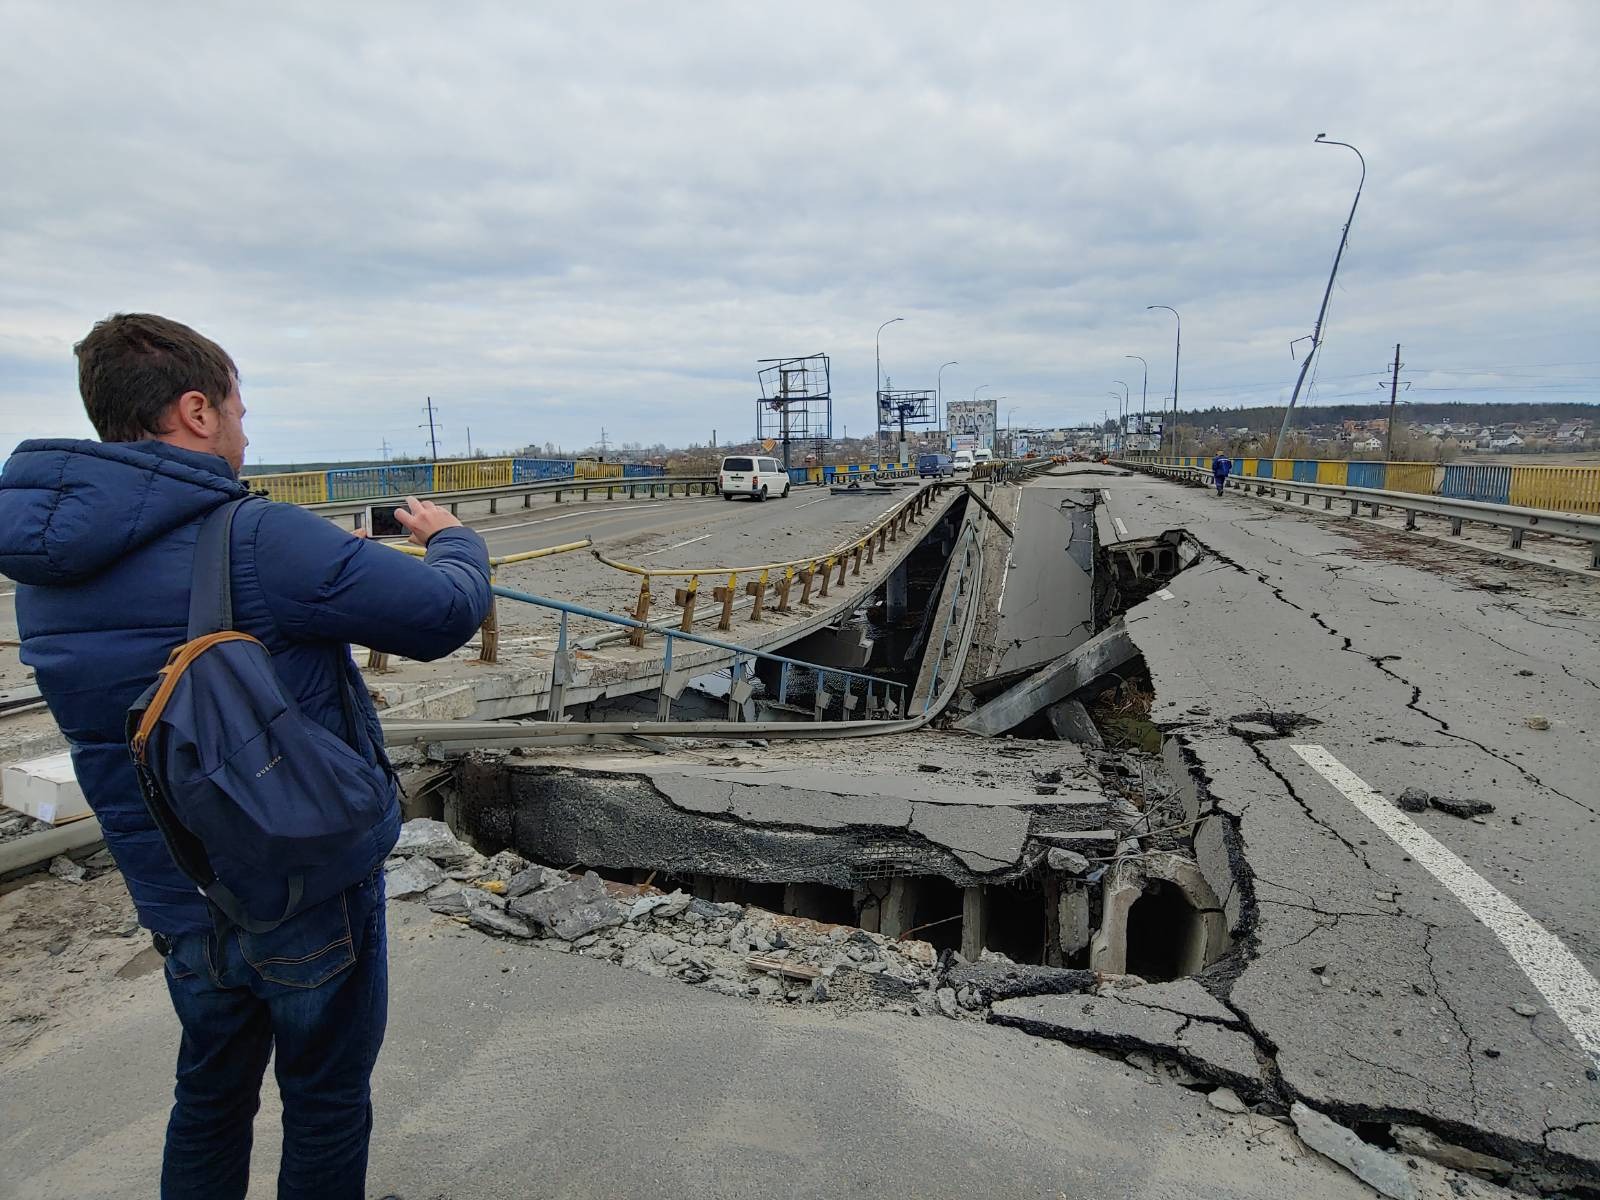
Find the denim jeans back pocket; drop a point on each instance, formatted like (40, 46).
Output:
(306, 950)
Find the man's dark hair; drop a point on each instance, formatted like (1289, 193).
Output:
(132, 366)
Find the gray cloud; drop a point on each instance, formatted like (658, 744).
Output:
(605, 214)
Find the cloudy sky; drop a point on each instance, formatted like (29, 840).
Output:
(558, 218)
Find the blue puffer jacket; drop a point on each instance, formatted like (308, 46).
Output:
(100, 539)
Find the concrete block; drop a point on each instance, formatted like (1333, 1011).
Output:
(974, 923)
(1073, 915)
(899, 909)
(1072, 723)
(45, 789)
(1105, 651)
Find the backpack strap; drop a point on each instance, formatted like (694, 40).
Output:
(211, 591)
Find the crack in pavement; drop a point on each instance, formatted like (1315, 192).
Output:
(1438, 991)
(1415, 705)
(1288, 786)
(1380, 661)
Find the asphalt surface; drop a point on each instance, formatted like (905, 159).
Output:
(1392, 975)
(512, 1071)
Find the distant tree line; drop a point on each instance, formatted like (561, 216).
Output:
(1267, 418)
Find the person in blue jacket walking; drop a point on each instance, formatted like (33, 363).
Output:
(1221, 468)
(100, 538)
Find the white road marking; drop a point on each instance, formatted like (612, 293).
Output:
(1166, 595)
(582, 512)
(1122, 530)
(679, 546)
(1572, 992)
(809, 503)
(1105, 495)
(1004, 575)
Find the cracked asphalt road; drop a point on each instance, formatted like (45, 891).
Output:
(1378, 993)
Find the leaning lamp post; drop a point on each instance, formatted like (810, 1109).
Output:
(1322, 139)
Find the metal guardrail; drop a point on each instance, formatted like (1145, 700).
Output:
(489, 631)
(563, 671)
(411, 479)
(808, 571)
(652, 487)
(1519, 520)
(1559, 488)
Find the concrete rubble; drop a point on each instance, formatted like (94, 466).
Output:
(1385, 1175)
(733, 949)
(1075, 669)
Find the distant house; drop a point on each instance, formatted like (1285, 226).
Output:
(1570, 431)
(1368, 443)
(1509, 441)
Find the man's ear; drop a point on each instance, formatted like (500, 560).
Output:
(194, 415)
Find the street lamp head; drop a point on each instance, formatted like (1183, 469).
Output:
(1319, 137)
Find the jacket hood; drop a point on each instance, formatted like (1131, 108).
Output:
(69, 508)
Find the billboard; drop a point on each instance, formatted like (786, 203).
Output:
(971, 423)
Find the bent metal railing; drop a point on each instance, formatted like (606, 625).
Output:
(881, 699)
(813, 571)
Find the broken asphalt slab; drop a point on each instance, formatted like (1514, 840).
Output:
(1114, 1021)
(756, 822)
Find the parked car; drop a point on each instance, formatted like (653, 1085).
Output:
(936, 465)
(747, 475)
(962, 461)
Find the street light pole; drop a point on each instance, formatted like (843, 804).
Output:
(1127, 403)
(877, 393)
(1144, 391)
(1316, 332)
(1177, 353)
(938, 400)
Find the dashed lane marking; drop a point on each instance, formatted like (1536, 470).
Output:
(679, 546)
(567, 516)
(1566, 984)
(1122, 530)
(1166, 595)
(809, 503)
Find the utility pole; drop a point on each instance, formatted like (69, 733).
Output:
(469, 441)
(1322, 139)
(602, 443)
(385, 449)
(1394, 391)
(433, 433)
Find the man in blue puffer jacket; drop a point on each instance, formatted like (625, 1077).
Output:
(100, 538)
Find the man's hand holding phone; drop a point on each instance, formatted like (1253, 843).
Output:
(423, 518)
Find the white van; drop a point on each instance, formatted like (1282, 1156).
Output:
(747, 475)
(962, 461)
(982, 454)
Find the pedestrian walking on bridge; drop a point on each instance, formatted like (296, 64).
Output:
(103, 539)
(1221, 468)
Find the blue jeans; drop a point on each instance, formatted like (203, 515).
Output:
(314, 993)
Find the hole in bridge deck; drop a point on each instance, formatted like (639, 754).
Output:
(1163, 932)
